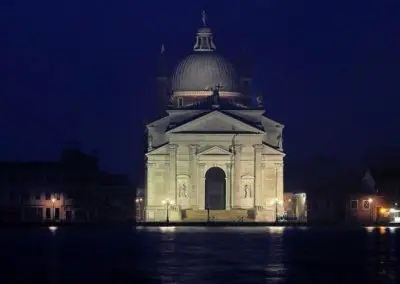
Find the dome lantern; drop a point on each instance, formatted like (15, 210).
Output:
(204, 37)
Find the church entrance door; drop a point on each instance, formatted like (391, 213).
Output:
(215, 194)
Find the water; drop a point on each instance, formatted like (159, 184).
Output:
(200, 255)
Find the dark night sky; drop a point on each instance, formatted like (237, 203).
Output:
(84, 71)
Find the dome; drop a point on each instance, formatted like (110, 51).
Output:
(202, 71)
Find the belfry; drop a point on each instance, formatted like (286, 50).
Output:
(214, 155)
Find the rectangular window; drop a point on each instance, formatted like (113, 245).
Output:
(57, 214)
(48, 213)
(37, 196)
(58, 196)
(180, 102)
(48, 195)
(354, 204)
(366, 204)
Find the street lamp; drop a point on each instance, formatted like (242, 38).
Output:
(53, 200)
(139, 206)
(167, 202)
(370, 200)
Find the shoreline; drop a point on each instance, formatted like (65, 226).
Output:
(188, 224)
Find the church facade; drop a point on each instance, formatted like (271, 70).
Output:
(214, 155)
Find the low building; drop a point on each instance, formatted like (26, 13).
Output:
(71, 189)
(367, 208)
(295, 207)
(33, 191)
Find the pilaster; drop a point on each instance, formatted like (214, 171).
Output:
(193, 175)
(237, 169)
(172, 149)
(228, 183)
(279, 185)
(202, 186)
(257, 175)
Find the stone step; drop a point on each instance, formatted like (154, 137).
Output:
(217, 215)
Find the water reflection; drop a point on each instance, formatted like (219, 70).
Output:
(167, 229)
(276, 230)
(203, 255)
(275, 270)
(53, 229)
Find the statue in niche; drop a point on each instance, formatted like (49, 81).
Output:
(182, 190)
(247, 191)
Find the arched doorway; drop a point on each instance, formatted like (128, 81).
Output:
(215, 194)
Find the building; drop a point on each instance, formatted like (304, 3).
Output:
(214, 154)
(33, 191)
(358, 202)
(71, 189)
(295, 207)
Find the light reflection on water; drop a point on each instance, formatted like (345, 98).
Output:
(203, 255)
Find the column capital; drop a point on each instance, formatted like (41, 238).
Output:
(258, 146)
(151, 165)
(193, 148)
(237, 148)
(172, 147)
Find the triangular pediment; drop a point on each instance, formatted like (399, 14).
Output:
(215, 150)
(269, 150)
(215, 122)
(161, 150)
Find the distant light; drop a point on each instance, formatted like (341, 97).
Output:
(369, 229)
(167, 229)
(383, 210)
(53, 200)
(370, 200)
(53, 229)
(276, 230)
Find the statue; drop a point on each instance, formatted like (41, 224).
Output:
(280, 140)
(150, 141)
(246, 188)
(182, 190)
(204, 18)
(247, 191)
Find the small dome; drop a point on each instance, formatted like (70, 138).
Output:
(202, 71)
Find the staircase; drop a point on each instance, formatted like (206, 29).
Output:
(195, 215)
(234, 215)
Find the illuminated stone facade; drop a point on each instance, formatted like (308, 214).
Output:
(208, 129)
